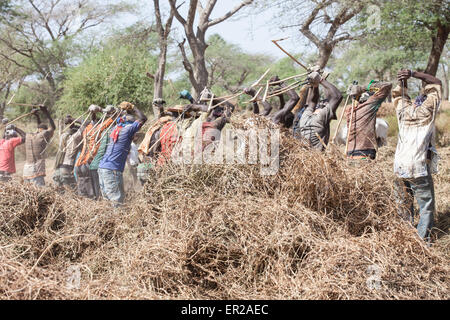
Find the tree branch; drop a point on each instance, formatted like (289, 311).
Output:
(230, 13)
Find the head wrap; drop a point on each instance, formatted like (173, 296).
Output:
(121, 123)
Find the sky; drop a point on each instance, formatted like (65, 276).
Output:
(252, 32)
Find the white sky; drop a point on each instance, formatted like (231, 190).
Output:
(252, 32)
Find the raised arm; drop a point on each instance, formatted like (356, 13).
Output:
(196, 108)
(49, 117)
(35, 112)
(404, 75)
(21, 133)
(252, 92)
(141, 116)
(288, 107)
(333, 95)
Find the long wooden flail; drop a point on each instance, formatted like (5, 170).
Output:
(21, 117)
(73, 122)
(282, 80)
(107, 129)
(340, 121)
(288, 54)
(350, 128)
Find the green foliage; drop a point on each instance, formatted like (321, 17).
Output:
(407, 25)
(109, 76)
(230, 68)
(363, 63)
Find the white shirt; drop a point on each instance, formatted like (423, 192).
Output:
(416, 135)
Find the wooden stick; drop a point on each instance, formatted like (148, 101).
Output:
(276, 93)
(321, 141)
(340, 121)
(210, 103)
(68, 127)
(349, 128)
(109, 127)
(284, 90)
(265, 92)
(288, 54)
(231, 98)
(288, 78)
(20, 117)
(260, 79)
(25, 104)
(256, 95)
(10, 100)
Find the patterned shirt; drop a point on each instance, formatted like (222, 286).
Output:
(416, 146)
(35, 145)
(362, 134)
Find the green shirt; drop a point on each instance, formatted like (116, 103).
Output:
(101, 151)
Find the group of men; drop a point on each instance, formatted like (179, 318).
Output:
(92, 153)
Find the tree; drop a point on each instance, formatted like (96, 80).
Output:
(229, 68)
(112, 74)
(197, 70)
(363, 62)
(10, 75)
(163, 30)
(410, 26)
(323, 22)
(42, 35)
(444, 72)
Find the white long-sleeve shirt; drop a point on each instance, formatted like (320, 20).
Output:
(416, 137)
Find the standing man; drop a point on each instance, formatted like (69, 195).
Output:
(35, 145)
(362, 141)
(7, 146)
(316, 118)
(82, 171)
(113, 163)
(101, 140)
(60, 155)
(73, 147)
(416, 156)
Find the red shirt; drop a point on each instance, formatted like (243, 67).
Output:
(169, 137)
(7, 161)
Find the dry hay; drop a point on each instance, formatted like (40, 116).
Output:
(315, 230)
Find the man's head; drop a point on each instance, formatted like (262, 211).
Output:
(110, 110)
(130, 118)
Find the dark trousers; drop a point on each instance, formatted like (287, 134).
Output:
(96, 183)
(84, 182)
(423, 190)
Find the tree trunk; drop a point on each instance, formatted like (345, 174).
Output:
(439, 41)
(446, 83)
(159, 76)
(3, 104)
(324, 55)
(198, 47)
(201, 74)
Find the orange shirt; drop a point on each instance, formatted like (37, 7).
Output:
(90, 145)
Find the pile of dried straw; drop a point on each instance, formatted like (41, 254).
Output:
(319, 229)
